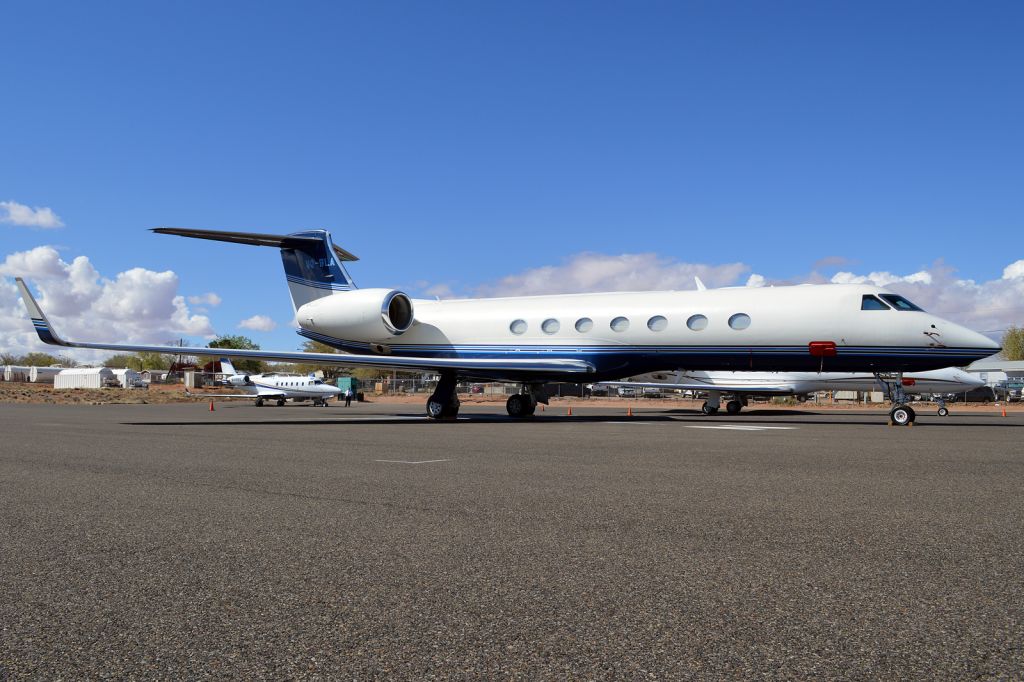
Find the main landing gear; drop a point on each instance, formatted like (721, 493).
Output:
(714, 402)
(524, 403)
(444, 402)
(901, 414)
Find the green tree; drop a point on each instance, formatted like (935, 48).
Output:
(241, 343)
(1013, 343)
(129, 360)
(39, 360)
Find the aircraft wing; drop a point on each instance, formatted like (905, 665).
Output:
(510, 367)
(745, 389)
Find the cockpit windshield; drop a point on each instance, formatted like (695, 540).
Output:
(900, 303)
(869, 302)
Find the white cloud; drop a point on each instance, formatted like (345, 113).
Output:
(587, 272)
(136, 306)
(209, 298)
(19, 214)
(985, 306)
(260, 323)
(1014, 270)
(882, 279)
(990, 305)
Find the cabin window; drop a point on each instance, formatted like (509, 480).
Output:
(518, 327)
(620, 324)
(550, 326)
(584, 325)
(900, 303)
(739, 321)
(869, 302)
(657, 323)
(697, 322)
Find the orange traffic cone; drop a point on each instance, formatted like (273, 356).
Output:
(570, 410)
(1004, 410)
(629, 411)
(542, 407)
(211, 406)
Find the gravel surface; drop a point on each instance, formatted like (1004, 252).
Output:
(167, 541)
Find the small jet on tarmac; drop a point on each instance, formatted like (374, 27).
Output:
(274, 386)
(741, 385)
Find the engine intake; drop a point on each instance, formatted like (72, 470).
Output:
(368, 315)
(396, 312)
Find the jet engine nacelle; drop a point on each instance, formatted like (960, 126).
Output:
(363, 314)
(239, 380)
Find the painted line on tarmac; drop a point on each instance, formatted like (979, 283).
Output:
(402, 461)
(742, 427)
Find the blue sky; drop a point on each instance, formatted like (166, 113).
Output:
(452, 145)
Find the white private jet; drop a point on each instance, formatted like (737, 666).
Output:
(274, 387)
(741, 385)
(587, 338)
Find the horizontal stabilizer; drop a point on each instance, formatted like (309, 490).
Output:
(281, 241)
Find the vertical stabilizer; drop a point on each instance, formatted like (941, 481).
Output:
(312, 263)
(313, 268)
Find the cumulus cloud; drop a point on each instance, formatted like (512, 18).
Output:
(209, 298)
(135, 306)
(986, 306)
(19, 214)
(260, 323)
(586, 272)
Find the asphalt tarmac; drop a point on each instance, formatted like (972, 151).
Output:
(167, 541)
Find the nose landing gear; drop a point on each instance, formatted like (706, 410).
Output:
(901, 414)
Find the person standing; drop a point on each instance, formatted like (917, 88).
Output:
(348, 397)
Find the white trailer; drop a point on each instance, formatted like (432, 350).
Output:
(43, 375)
(16, 373)
(85, 377)
(128, 378)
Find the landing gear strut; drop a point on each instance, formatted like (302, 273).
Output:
(524, 403)
(943, 410)
(901, 414)
(712, 404)
(444, 403)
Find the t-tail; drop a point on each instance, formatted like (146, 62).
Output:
(312, 263)
(226, 368)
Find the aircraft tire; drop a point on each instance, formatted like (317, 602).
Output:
(707, 409)
(943, 412)
(733, 407)
(280, 402)
(517, 406)
(901, 415)
(259, 402)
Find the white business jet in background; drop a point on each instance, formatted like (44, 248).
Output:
(588, 338)
(274, 387)
(741, 385)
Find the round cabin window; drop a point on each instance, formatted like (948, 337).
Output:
(620, 324)
(739, 321)
(518, 327)
(697, 322)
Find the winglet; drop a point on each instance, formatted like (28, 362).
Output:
(700, 284)
(39, 321)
